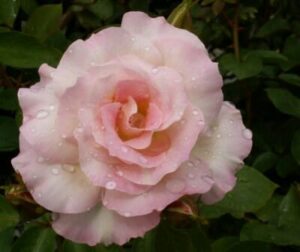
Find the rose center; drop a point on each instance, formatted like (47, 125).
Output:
(137, 120)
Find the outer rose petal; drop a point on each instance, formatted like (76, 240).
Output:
(39, 127)
(103, 225)
(223, 149)
(154, 29)
(59, 188)
(192, 177)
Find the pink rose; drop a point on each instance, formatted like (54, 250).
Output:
(132, 119)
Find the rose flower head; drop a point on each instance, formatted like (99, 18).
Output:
(131, 120)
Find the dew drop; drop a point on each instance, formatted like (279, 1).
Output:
(195, 112)
(34, 177)
(68, 168)
(42, 114)
(154, 70)
(127, 214)
(147, 49)
(175, 186)
(231, 121)
(120, 173)
(133, 39)
(79, 129)
(191, 175)
(92, 63)
(51, 107)
(143, 160)
(218, 135)
(247, 134)
(124, 149)
(110, 185)
(64, 136)
(70, 51)
(59, 144)
(55, 171)
(208, 179)
(190, 164)
(39, 195)
(194, 78)
(105, 202)
(40, 159)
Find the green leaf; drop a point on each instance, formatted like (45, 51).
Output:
(6, 239)
(218, 7)
(180, 16)
(8, 99)
(290, 78)
(268, 56)
(142, 5)
(69, 246)
(224, 244)
(23, 51)
(168, 238)
(295, 146)
(265, 161)
(270, 211)
(9, 217)
(36, 239)
(9, 134)
(249, 67)
(284, 101)
(103, 9)
(272, 26)
(287, 228)
(44, 21)
(8, 11)
(28, 6)
(292, 51)
(251, 193)
(287, 166)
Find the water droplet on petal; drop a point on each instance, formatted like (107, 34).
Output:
(51, 107)
(195, 112)
(191, 175)
(143, 160)
(105, 202)
(120, 173)
(55, 171)
(247, 134)
(39, 195)
(154, 70)
(70, 51)
(34, 177)
(64, 136)
(110, 185)
(208, 179)
(42, 114)
(133, 39)
(124, 149)
(194, 78)
(59, 144)
(40, 159)
(190, 164)
(175, 185)
(147, 49)
(218, 135)
(231, 121)
(68, 168)
(127, 214)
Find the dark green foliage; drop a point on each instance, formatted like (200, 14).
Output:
(259, 58)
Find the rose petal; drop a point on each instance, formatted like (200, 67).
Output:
(58, 187)
(223, 149)
(103, 225)
(190, 178)
(202, 79)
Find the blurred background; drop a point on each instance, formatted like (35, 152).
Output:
(257, 46)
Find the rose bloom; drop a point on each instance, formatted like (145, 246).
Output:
(132, 119)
